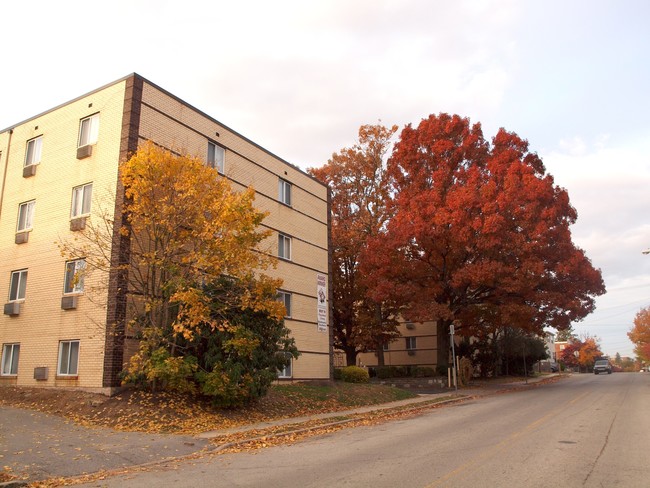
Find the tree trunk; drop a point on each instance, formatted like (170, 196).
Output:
(351, 356)
(442, 331)
(380, 356)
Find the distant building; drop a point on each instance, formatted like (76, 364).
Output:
(57, 166)
(416, 346)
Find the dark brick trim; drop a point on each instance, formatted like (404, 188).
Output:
(120, 252)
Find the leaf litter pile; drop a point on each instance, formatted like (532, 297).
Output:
(135, 410)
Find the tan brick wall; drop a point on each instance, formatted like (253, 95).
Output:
(168, 122)
(42, 323)
(398, 355)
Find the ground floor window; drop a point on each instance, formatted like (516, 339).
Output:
(68, 358)
(10, 353)
(287, 371)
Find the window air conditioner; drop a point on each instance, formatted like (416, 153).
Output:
(41, 372)
(12, 309)
(69, 303)
(22, 237)
(29, 170)
(84, 151)
(410, 325)
(78, 224)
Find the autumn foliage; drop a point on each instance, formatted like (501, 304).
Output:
(196, 266)
(640, 334)
(359, 194)
(581, 354)
(479, 235)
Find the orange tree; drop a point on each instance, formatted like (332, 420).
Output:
(640, 334)
(581, 353)
(359, 193)
(478, 234)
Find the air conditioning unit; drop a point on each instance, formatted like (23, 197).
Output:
(78, 224)
(411, 353)
(22, 237)
(29, 170)
(69, 303)
(41, 372)
(410, 325)
(84, 151)
(12, 309)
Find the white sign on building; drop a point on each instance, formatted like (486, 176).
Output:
(321, 294)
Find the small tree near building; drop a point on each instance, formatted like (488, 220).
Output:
(187, 231)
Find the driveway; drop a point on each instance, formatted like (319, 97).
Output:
(37, 446)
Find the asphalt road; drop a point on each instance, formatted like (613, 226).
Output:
(585, 430)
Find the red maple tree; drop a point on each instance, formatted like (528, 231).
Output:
(359, 193)
(479, 235)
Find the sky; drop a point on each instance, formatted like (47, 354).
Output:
(299, 78)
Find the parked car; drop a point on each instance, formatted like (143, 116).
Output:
(603, 366)
(554, 367)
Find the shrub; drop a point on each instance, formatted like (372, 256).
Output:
(338, 375)
(423, 372)
(383, 372)
(441, 369)
(355, 374)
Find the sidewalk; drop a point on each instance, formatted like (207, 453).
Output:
(35, 446)
(477, 390)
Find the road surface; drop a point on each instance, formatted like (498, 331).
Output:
(585, 430)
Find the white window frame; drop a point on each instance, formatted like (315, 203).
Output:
(33, 151)
(18, 285)
(68, 354)
(284, 192)
(411, 343)
(74, 276)
(284, 247)
(25, 216)
(10, 358)
(216, 157)
(81, 200)
(285, 298)
(385, 346)
(287, 371)
(88, 130)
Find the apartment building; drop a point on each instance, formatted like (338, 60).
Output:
(60, 168)
(416, 346)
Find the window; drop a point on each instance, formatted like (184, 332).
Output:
(81, 197)
(68, 358)
(216, 156)
(285, 298)
(33, 153)
(89, 130)
(25, 216)
(411, 343)
(10, 353)
(74, 276)
(18, 285)
(286, 372)
(284, 192)
(385, 346)
(284, 246)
